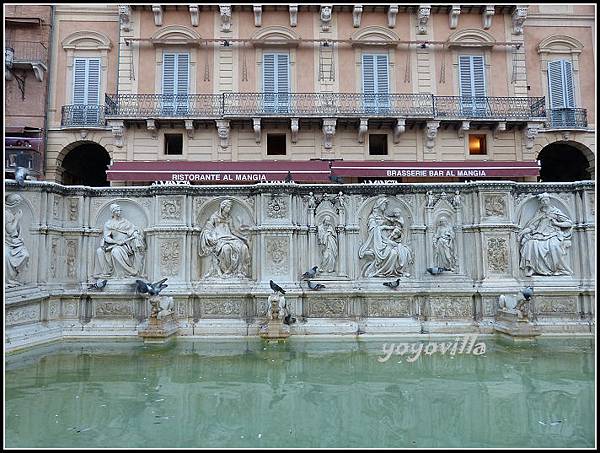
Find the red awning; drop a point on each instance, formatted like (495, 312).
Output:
(466, 169)
(219, 172)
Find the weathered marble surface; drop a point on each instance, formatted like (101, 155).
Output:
(220, 246)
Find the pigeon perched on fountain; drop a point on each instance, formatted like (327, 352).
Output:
(20, 176)
(392, 285)
(98, 284)
(436, 270)
(289, 177)
(527, 292)
(311, 273)
(153, 289)
(315, 286)
(275, 287)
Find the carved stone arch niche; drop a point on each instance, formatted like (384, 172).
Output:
(242, 222)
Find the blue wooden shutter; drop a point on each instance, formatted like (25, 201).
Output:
(175, 83)
(183, 82)
(561, 91)
(283, 82)
(276, 81)
(375, 77)
(471, 71)
(86, 90)
(382, 81)
(168, 84)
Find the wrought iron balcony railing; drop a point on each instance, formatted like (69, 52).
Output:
(28, 52)
(83, 115)
(164, 105)
(567, 118)
(324, 105)
(493, 108)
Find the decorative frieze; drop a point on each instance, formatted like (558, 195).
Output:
(422, 17)
(497, 255)
(221, 307)
(555, 306)
(395, 308)
(114, 309)
(27, 314)
(450, 307)
(328, 308)
(170, 257)
(73, 213)
(278, 255)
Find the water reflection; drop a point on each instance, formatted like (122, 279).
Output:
(247, 393)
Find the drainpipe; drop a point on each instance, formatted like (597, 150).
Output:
(50, 49)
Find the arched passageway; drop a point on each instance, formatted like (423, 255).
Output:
(85, 165)
(566, 162)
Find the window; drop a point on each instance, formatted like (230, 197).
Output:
(276, 144)
(375, 82)
(175, 83)
(378, 144)
(472, 85)
(174, 144)
(560, 88)
(276, 82)
(86, 90)
(477, 145)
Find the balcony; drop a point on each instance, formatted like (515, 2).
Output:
(143, 106)
(567, 119)
(25, 55)
(318, 105)
(83, 116)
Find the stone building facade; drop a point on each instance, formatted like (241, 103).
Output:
(417, 85)
(27, 39)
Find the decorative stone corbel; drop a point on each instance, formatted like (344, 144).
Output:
(422, 18)
(158, 15)
(399, 129)
(454, 13)
(362, 129)
(431, 134)
(356, 15)
(257, 15)
(530, 134)
(189, 128)
(518, 19)
(38, 70)
(151, 126)
(223, 131)
(194, 14)
(328, 131)
(500, 127)
(293, 15)
(295, 127)
(488, 13)
(326, 17)
(256, 127)
(392, 13)
(125, 17)
(225, 12)
(116, 128)
(464, 127)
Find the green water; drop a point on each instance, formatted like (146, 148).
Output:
(302, 393)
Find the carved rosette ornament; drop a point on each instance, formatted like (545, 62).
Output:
(170, 208)
(277, 208)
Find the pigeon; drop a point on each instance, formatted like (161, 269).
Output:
(275, 287)
(151, 288)
(315, 286)
(289, 320)
(289, 178)
(436, 270)
(392, 285)
(527, 292)
(98, 284)
(311, 273)
(20, 176)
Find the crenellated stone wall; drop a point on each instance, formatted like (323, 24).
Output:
(220, 246)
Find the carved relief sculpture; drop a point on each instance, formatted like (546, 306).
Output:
(545, 240)
(225, 12)
(385, 253)
(226, 245)
(325, 17)
(328, 243)
(122, 250)
(15, 253)
(443, 245)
